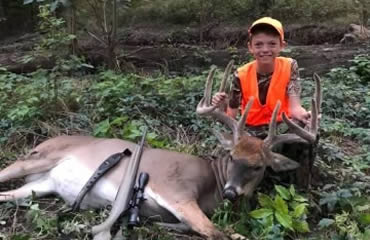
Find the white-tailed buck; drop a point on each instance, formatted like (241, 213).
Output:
(183, 189)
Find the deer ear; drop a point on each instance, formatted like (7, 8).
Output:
(281, 163)
(225, 139)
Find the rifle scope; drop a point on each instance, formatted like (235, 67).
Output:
(138, 196)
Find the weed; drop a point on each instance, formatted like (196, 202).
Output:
(281, 215)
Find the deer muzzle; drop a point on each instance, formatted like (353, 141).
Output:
(230, 193)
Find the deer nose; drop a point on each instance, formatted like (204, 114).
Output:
(230, 194)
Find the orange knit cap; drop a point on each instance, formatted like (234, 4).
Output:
(272, 22)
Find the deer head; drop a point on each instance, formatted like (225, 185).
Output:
(248, 155)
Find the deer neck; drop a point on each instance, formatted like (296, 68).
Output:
(219, 168)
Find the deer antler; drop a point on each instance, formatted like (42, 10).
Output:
(311, 129)
(205, 108)
(307, 134)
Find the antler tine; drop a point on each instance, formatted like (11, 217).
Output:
(204, 106)
(316, 104)
(272, 126)
(311, 133)
(209, 83)
(226, 75)
(300, 134)
(314, 118)
(295, 128)
(318, 92)
(241, 122)
(272, 139)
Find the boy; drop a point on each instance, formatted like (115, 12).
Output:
(268, 78)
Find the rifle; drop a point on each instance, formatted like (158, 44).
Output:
(125, 192)
(104, 167)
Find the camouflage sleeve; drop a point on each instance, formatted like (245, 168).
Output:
(294, 86)
(235, 94)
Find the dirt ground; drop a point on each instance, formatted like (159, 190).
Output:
(178, 50)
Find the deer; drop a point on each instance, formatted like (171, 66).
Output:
(183, 189)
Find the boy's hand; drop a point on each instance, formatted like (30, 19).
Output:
(219, 98)
(301, 115)
(304, 116)
(298, 112)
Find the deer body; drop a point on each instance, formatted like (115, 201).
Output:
(181, 188)
(176, 179)
(75, 163)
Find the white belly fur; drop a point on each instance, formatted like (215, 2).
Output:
(70, 176)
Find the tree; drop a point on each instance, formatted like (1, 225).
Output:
(363, 11)
(102, 26)
(2, 14)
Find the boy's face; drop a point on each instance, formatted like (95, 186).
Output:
(265, 47)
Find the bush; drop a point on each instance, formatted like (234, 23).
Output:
(346, 102)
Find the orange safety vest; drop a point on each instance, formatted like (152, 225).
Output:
(261, 114)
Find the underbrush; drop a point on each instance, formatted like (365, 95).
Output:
(107, 104)
(110, 104)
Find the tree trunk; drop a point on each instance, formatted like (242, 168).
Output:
(112, 40)
(73, 31)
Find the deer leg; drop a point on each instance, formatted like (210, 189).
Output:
(40, 187)
(192, 215)
(21, 168)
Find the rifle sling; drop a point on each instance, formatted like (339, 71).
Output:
(108, 164)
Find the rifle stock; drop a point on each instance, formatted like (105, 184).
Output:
(102, 231)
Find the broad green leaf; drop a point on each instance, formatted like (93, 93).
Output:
(269, 221)
(299, 210)
(283, 192)
(225, 218)
(325, 222)
(344, 193)
(265, 201)
(280, 205)
(35, 207)
(242, 228)
(367, 234)
(285, 220)
(330, 198)
(301, 226)
(328, 186)
(364, 219)
(294, 204)
(119, 120)
(261, 213)
(300, 198)
(87, 65)
(102, 128)
(363, 208)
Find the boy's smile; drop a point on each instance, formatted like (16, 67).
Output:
(265, 48)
